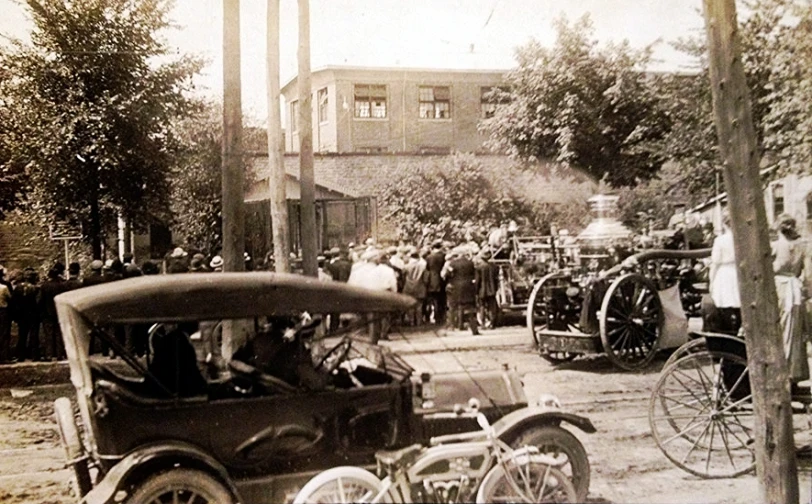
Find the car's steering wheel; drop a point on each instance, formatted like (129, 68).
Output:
(342, 349)
(270, 383)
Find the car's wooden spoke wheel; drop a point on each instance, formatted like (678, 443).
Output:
(181, 486)
(630, 321)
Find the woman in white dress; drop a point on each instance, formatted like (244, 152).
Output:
(724, 282)
(789, 252)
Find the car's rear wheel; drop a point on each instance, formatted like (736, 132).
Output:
(181, 486)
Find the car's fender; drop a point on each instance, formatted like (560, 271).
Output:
(510, 425)
(149, 459)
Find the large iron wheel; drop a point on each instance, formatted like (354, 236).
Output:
(701, 415)
(630, 321)
(537, 314)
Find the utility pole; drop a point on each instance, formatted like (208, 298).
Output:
(232, 169)
(276, 158)
(306, 175)
(232, 172)
(776, 467)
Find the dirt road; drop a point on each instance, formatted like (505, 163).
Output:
(627, 466)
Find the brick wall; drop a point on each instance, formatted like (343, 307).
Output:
(23, 245)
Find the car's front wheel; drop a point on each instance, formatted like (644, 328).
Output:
(181, 486)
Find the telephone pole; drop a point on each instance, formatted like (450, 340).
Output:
(276, 158)
(306, 175)
(232, 173)
(234, 333)
(774, 445)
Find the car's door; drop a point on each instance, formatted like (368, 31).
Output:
(288, 433)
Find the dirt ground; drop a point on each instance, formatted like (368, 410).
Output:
(627, 466)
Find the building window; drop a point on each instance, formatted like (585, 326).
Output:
(294, 116)
(370, 101)
(435, 102)
(778, 200)
(321, 96)
(491, 97)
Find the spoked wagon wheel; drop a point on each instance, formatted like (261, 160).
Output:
(630, 321)
(701, 415)
(181, 486)
(693, 346)
(537, 314)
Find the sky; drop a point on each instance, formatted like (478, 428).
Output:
(472, 34)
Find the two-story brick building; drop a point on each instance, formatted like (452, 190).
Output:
(371, 126)
(393, 110)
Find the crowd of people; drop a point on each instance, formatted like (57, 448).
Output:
(455, 286)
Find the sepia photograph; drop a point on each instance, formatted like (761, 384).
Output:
(397, 251)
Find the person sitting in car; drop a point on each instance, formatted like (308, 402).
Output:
(281, 349)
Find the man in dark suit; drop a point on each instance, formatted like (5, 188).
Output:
(436, 288)
(339, 268)
(460, 275)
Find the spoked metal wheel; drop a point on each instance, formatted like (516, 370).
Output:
(701, 415)
(538, 312)
(690, 347)
(630, 321)
(562, 446)
(523, 480)
(341, 484)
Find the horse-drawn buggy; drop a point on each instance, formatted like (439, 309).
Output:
(603, 298)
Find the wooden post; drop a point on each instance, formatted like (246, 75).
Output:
(769, 377)
(232, 169)
(276, 158)
(306, 177)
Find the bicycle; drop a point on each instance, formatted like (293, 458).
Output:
(467, 467)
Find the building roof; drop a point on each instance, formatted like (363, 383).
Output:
(350, 68)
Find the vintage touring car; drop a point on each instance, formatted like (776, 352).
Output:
(182, 424)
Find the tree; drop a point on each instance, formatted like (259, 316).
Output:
(95, 94)
(195, 178)
(583, 106)
(774, 62)
(462, 198)
(787, 118)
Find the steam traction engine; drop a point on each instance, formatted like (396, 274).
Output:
(603, 299)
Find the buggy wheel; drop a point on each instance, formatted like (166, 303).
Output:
(74, 450)
(630, 321)
(524, 480)
(562, 446)
(693, 346)
(701, 415)
(181, 486)
(341, 484)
